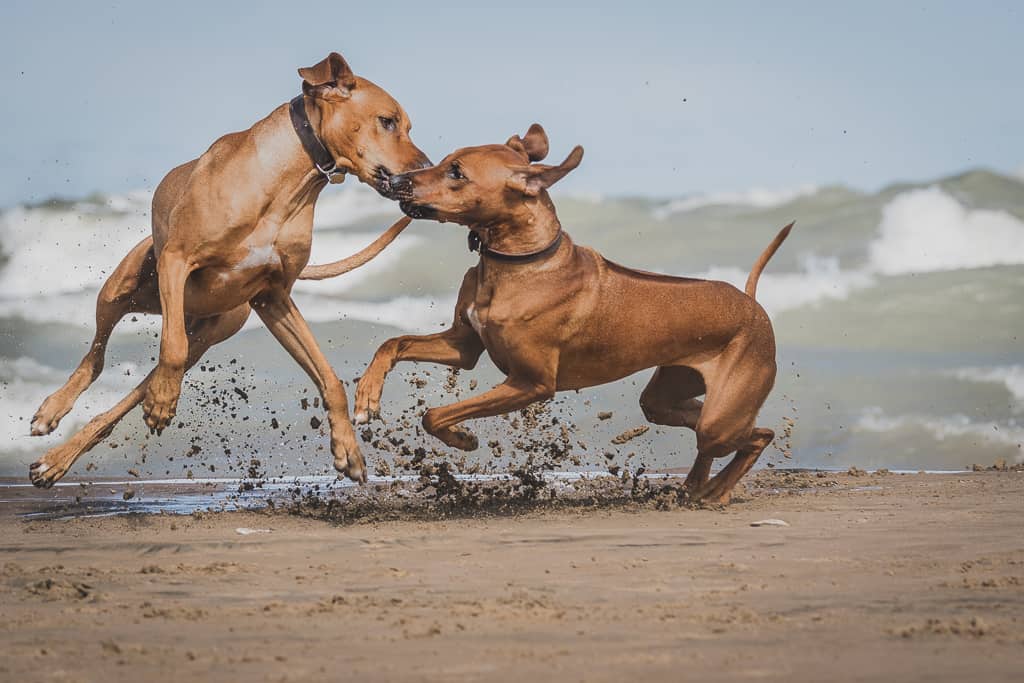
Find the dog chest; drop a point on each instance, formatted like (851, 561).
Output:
(474, 319)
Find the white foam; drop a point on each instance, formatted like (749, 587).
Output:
(333, 245)
(818, 280)
(920, 231)
(414, 314)
(353, 201)
(945, 428)
(928, 230)
(61, 250)
(24, 383)
(756, 198)
(1010, 376)
(66, 249)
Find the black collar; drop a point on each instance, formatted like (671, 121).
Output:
(322, 159)
(475, 244)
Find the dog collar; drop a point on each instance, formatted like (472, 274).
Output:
(476, 244)
(322, 159)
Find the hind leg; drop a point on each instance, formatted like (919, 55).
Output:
(202, 334)
(726, 424)
(130, 288)
(719, 489)
(670, 399)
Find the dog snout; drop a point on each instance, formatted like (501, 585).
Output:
(401, 187)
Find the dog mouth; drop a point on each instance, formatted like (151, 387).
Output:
(382, 182)
(417, 211)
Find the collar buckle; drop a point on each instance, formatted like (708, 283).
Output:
(330, 171)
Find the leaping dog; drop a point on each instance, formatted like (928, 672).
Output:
(554, 316)
(232, 231)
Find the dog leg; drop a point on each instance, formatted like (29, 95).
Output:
(504, 398)
(123, 292)
(285, 322)
(58, 460)
(458, 347)
(726, 424)
(669, 399)
(161, 400)
(719, 489)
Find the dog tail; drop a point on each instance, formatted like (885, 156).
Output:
(762, 261)
(326, 270)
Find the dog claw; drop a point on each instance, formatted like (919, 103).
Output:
(366, 416)
(37, 474)
(41, 427)
(456, 437)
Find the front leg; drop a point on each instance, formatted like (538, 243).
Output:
(512, 394)
(458, 347)
(161, 400)
(285, 322)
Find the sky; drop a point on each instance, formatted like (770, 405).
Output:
(668, 98)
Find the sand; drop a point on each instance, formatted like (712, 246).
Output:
(876, 577)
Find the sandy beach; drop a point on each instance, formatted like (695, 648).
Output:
(876, 577)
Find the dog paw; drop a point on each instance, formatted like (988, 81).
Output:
(41, 425)
(367, 405)
(351, 465)
(48, 416)
(460, 438)
(347, 458)
(159, 405)
(44, 475)
(364, 416)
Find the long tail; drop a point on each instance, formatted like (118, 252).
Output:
(755, 272)
(360, 258)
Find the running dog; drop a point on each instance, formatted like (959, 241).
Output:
(232, 231)
(554, 316)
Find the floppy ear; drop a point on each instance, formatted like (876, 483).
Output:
(332, 72)
(530, 180)
(534, 144)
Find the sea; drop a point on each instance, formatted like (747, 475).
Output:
(899, 315)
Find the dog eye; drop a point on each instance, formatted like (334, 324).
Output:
(387, 122)
(455, 173)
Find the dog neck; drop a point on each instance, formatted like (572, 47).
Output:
(533, 227)
(288, 179)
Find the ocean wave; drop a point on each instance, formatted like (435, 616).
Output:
(820, 279)
(946, 428)
(80, 243)
(756, 198)
(1010, 376)
(352, 202)
(928, 230)
(24, 383)
(413, 314)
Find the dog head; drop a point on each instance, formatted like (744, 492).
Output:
(365, 129)
(486, 185)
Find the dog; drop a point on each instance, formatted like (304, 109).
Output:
(554, 316)
(232, 230)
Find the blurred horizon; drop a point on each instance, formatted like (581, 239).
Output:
(668, 100)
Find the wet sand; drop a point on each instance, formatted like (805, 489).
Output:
(877, 577)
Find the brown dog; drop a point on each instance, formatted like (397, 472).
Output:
(232, 230)
(554, 316)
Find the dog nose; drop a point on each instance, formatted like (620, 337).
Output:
(401, 185)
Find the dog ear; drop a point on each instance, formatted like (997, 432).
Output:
(332, 72)
(530, 180)
(534, 145)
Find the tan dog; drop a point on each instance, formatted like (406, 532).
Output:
(554, 316)
(233, 229)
